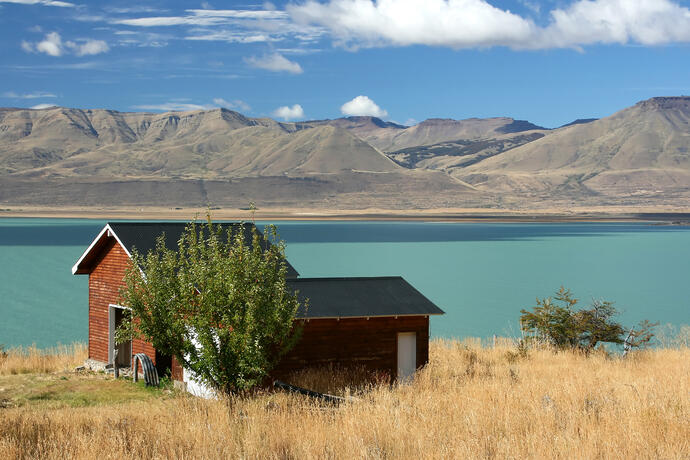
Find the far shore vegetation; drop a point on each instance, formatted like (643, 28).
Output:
(473, 400)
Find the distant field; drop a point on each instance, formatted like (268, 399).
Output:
(469, 402)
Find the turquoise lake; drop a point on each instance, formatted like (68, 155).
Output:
(481, 274)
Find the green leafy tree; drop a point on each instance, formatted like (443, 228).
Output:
(556, 321)
(219, 304)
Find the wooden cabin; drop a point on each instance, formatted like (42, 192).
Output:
(380, 323)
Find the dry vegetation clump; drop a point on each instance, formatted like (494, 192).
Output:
(24, 360)
(469, 402)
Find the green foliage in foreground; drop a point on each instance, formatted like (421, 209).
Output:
(221, 306)
(556, 321)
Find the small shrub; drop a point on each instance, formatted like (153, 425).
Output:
(556, 321)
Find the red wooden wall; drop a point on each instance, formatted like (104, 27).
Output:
(104, 284)
(371, 343)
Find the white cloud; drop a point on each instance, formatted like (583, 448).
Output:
(173, 107)
(43, 106)
(275, 62)
(89, 47)
(132, 9)
(453, 23)
(51, 45)
(362, 106)
(142, 39)
(34, 95)
(648, 22)
(203, 18)
(476, 23)
(298, 51)
(241, 14)
(234, 105)
(27, 47)
(41, 2)
(532, 6)
(289, 113)
(232, 36)
(160, 21)
(236, 26)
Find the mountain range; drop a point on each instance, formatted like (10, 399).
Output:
(637, 156)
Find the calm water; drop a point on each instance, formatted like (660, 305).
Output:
(480, 274)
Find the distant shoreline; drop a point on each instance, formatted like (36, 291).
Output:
(679, 216)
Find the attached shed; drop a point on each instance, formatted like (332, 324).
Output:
(379, 323)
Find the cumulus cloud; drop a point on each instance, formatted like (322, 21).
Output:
(52, 45)
(476, 23)
(27, 47)
(34, 95)
(362, 106)
(43, 106)
(454, 23)
(89, 47)
(648, 22)
(234, 105)
(289, 113)
(275, 62)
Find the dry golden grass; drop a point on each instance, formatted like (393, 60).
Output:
(23, 360)
(469, 402)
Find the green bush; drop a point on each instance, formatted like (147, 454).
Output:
(221, 306)
(557, 321)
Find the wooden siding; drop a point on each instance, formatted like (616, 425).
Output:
(371, 343)
(104, 284)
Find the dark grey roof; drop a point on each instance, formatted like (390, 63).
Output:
(360, 297)
(143, 235)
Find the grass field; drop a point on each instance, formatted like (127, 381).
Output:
(469, 402)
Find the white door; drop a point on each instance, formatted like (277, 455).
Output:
(407, 354)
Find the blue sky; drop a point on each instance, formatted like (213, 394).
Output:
(548, 62)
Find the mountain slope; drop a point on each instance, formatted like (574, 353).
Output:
(641, 147)
(461, 152)
(216, 143)
(391, 137)
(437, 130)
(639, 155)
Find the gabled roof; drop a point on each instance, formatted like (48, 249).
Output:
(360, 298)
(143, 235)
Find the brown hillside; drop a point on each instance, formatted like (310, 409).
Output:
(641, 149)
(216, 143)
